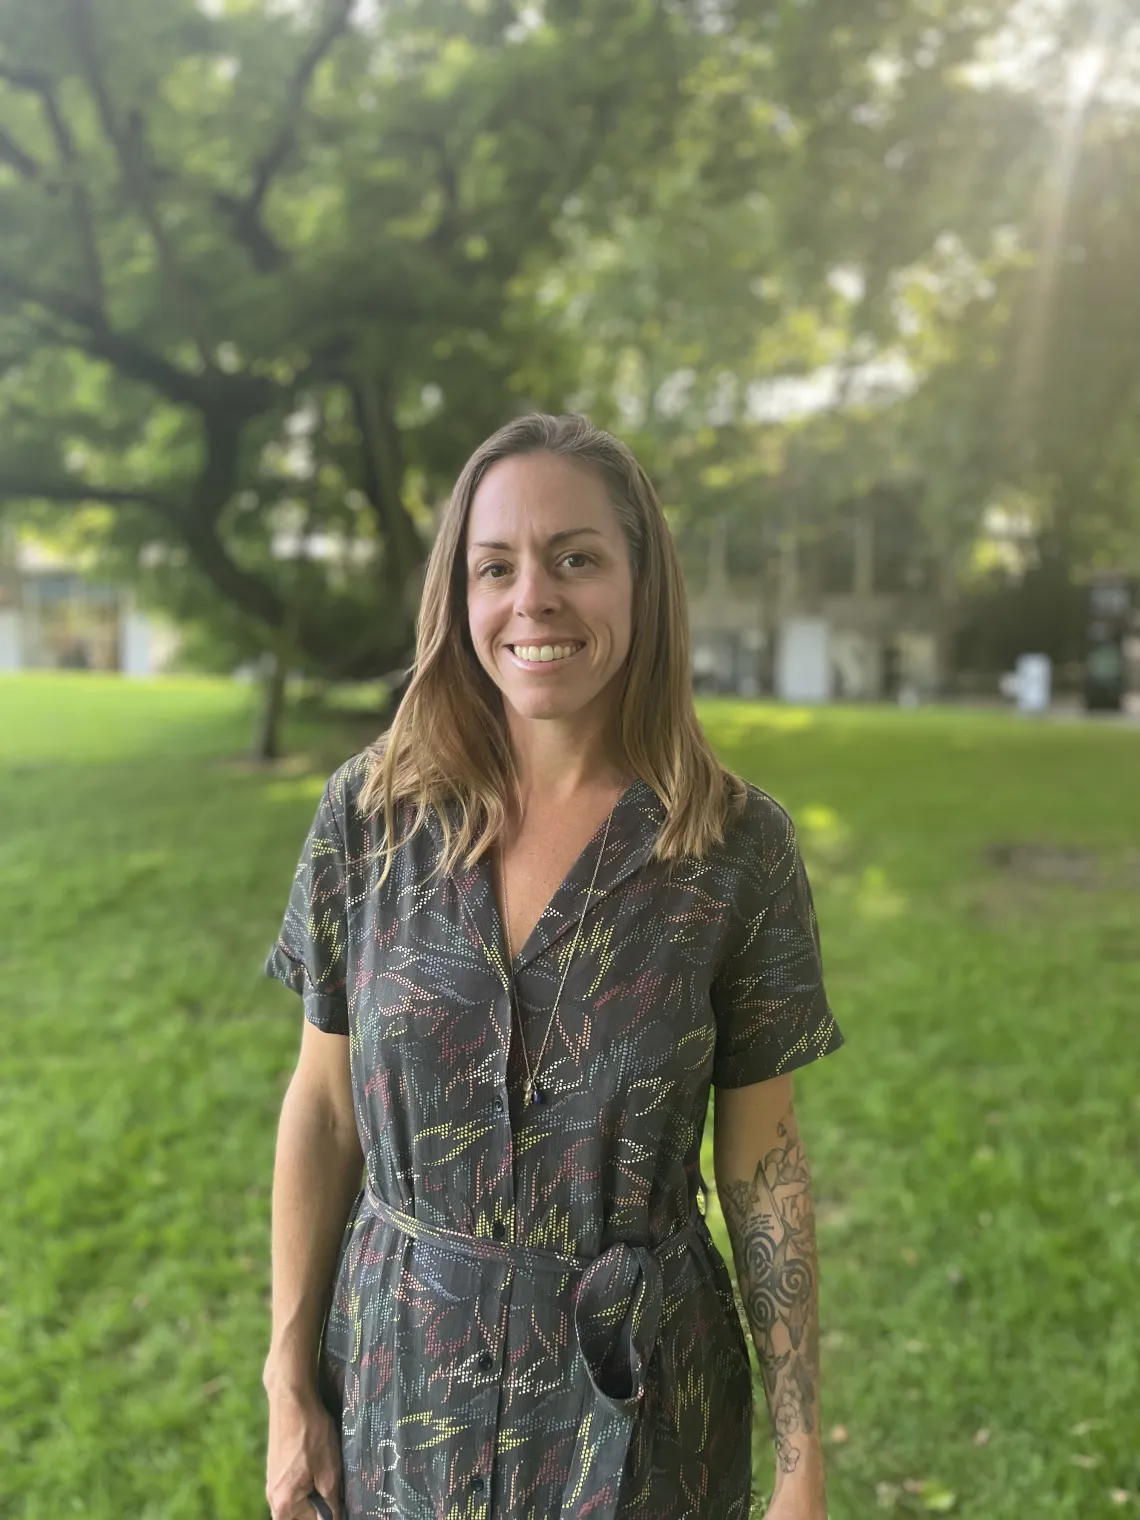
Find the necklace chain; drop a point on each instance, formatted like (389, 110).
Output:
(532, 1093)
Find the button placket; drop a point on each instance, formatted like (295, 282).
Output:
(501, 1104)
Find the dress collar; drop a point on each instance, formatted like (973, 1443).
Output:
(637, 818)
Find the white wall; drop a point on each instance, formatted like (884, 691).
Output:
(146, 644)
(134, 643)
(11, 641)
(803, 666)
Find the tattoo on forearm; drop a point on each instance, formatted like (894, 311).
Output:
(772, 1228)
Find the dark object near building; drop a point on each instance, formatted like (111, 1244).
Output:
(1111, 611)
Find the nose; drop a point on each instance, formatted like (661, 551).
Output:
(536, 594)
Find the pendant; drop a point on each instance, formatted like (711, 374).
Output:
(532, 1093)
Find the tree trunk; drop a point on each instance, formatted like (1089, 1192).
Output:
(278, 658)
(267, 733)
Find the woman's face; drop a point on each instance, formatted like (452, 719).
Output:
(549, 586)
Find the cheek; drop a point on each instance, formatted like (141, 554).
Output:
(611, 605)
(478, 622)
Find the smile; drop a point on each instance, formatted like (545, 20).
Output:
(534, 656)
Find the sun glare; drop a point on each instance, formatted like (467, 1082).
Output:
(1085, 69)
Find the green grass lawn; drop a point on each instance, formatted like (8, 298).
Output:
(976, 1145)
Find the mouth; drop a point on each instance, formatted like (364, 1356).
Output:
(545, 656)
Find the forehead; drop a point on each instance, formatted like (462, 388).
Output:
(541, 493)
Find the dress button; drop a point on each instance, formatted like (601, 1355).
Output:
(477, 1485)
(499, 1230)
(486, 1362)
(498, 1102)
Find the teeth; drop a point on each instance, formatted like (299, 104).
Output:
(544, 653)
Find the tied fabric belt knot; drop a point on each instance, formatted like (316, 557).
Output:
(617, 1314)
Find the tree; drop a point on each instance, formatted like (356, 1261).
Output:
(267, 274)
(739, 323)
(270, 272)
(925, 208)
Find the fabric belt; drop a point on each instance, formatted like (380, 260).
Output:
(617, 1313)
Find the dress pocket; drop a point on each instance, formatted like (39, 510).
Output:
(338, 1328)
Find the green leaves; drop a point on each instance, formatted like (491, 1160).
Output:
(257, 214)
(794, 252)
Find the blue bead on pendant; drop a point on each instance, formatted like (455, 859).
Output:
(536, 1094)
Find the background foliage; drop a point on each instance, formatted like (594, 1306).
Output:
(269, 271)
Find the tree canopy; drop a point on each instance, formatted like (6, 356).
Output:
(268, 272)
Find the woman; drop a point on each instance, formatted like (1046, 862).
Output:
(546, 919)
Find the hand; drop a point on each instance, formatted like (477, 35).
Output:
(303, 1455)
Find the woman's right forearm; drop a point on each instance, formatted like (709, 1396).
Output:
(316, 1176)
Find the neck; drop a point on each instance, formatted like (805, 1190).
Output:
(558, 762)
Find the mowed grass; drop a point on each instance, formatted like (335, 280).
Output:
(976, 1145)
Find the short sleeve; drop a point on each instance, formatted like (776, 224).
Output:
(771, 1009)
(311, 953)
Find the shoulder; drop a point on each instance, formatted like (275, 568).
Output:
(758, 824)
(760, 853)
(358, 817)
(342, 794)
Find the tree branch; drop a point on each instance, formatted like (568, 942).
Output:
(12, 154)
(39, 84)
(199, 533)
(445, 234)
(383, 472)
(130, 357)
(198, 524)
(24, 79)
(254, 596)
(245, 214)
(249, 592)
(241, 395)
(340, 11)
(16, 486)
(80, 201)
(129, 144)
(218, 478)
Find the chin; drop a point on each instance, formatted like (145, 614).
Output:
(540, 710)
(540, 705)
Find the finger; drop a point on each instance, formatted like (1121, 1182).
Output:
(323, 1509)
(293, 1503)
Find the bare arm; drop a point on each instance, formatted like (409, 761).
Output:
(316, 1176)
(315, 1179)
(764, 1188)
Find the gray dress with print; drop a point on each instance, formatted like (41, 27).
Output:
(529, 1319)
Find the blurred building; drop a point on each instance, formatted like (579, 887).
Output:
(52, 617)
(849, 612)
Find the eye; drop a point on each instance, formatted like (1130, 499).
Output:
(577, 554)
(484, 571)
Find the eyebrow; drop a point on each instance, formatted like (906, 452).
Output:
(555, 538)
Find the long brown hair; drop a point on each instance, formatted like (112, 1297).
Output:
(448, 744)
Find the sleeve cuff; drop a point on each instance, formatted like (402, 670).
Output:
(760, 1065)
(325, 1011)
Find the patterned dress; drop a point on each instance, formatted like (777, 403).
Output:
(529, 1319)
